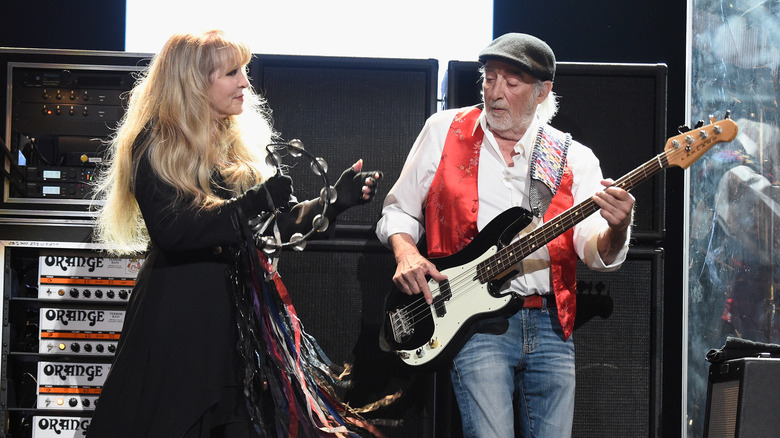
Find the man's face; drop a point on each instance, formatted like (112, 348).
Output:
(511, 97)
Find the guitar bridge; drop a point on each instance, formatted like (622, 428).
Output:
(401, 325)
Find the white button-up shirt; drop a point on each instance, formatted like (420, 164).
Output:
(500, 187)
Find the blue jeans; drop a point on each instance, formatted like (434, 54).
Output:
(522, 378)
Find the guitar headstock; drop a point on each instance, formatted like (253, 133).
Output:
(682, 150)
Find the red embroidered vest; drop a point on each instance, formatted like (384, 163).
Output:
(453, 203)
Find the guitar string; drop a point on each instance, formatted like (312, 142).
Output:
(423, 310)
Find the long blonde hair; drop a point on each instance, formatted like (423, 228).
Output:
(169, 118)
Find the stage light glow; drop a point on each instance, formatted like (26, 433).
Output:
(440, 29)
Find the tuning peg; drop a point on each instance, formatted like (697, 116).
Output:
(699, 124)
(683, 128)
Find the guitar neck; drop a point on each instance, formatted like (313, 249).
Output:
(512, 254)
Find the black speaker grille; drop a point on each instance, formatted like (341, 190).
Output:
(617, 116)
(339, 297)
(345, 109)
(617, 357)
(742, 397)
(338, 294)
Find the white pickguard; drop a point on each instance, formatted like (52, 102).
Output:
(469, 298)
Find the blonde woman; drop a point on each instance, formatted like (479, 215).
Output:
(186, 169)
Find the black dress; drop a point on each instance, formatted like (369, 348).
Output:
(175, 372)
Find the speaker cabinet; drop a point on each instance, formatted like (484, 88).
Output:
(344, 109)
(742, 399)
(339, 297)
(618, 342)
(618, 110)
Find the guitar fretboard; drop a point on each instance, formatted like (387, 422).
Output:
(494, 266)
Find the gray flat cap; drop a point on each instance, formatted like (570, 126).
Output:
(527, 52)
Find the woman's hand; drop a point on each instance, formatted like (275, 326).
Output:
(271, 194)
(355, 187)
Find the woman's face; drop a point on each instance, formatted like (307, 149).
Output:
(226, 92)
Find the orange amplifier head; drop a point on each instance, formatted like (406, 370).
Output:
(70, 385)
(86, 276)
(66, 331)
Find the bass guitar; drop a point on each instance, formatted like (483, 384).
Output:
(427, 334)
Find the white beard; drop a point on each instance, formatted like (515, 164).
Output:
(508, 126)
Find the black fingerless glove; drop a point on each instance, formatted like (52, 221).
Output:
(273, 193)
(349, 189)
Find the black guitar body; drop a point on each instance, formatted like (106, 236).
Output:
(429, 335)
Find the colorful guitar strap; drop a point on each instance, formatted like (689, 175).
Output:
(548, 161)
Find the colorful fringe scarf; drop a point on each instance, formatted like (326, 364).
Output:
(280, 358)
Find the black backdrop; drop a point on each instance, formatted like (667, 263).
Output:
(344, 109)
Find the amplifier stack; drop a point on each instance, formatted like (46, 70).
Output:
(69, 331)
(66, 309)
